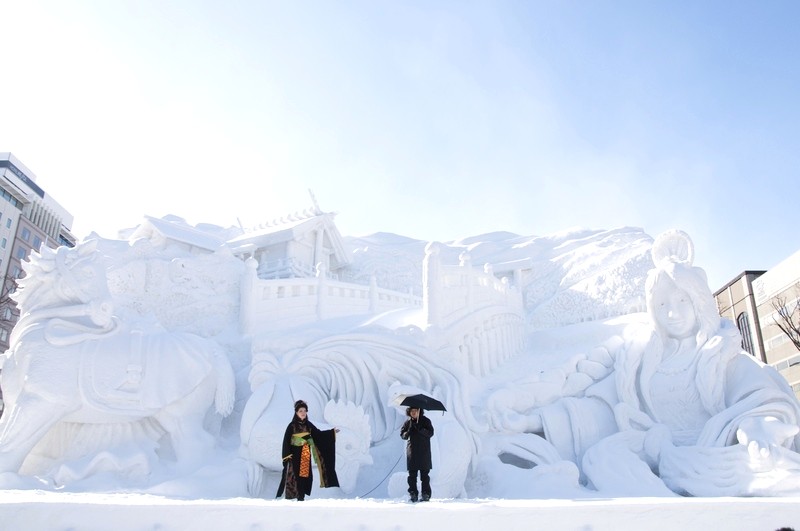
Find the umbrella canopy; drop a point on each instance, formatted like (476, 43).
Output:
(421, 401)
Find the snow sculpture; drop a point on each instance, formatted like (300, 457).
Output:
(122, 354)
(197, 293)
(685, 410)
(360, 369)
(88, 393)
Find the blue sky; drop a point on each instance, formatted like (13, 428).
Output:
(435, 120)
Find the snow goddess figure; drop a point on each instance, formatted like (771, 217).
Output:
(693, 407)
(694, 413)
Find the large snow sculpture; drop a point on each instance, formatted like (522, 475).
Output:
(685, 410)
(124, 349)
(88, 393)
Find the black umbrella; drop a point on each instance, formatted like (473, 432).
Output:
(421, 401)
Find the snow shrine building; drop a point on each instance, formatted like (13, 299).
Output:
(294, 246)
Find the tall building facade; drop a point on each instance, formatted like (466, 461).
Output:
(749, 301)
(29, 218)
(780, 285)
(736, 301)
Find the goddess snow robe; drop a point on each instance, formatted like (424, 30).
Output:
(625, 416)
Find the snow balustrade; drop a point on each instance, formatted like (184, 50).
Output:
(478, 315)
(475, 316)
(271, 304)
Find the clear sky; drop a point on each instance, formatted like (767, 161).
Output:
(434, 120)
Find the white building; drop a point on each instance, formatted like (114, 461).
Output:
(29, 218)
(749, 300)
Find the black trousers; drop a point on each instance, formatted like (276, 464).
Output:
(424, 477)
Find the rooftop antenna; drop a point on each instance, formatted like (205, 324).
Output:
(317, 210)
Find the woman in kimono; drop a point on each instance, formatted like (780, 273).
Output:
(301, 441)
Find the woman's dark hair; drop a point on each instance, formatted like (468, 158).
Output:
(408, 411)
(300, 404)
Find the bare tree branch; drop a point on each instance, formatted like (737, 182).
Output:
(8, 287)
(788, 318)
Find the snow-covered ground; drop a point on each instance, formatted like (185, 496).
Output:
(47, 511)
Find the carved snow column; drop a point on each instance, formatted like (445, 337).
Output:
(497, 343)
(322, 287)
(494, 345)
(502, 343)
(502, 334)
(490, 326)
(502, 348)
(484, 347)
(465, 261)
(247, 294)
(513, 340)
(373, 294)
(432, 284)
(474, 354)
(318, 255)
(502, 339)
(513, 337)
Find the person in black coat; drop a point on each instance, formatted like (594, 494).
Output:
(418, 430)
(301, 441)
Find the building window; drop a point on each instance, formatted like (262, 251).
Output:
(3, 243)
(26, 234)
(7, 314)
(17, 272)
(22, 252)
(743, 324)
(8, 223)
(37, 242)
(776, 341)
(3, 335)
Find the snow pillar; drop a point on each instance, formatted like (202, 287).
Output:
(373, 294)
(247, 295)
(465, 261)
(322, 278)
(431, 284)
(318, 255)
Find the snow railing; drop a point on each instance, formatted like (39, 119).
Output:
(451, 292)
(487, 338)
(285, 268)
(268, 304)
(478, 317)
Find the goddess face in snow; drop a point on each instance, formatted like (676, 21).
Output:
(674, 311)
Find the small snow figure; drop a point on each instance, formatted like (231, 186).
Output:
(418, 430)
